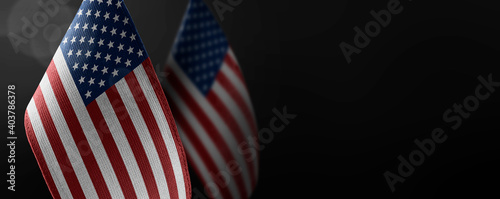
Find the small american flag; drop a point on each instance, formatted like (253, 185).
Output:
(212, 107)
(99, 123)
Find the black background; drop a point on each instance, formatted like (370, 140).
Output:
(353, 121)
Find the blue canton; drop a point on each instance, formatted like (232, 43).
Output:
(201, 46)
(101, 47)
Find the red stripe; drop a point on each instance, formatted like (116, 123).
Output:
(209, 127)
(77, 132)
(234, 67)
(228, 118)
(57, 146)
(155, 83)
(231, 63)
(248, 112)
(111, 150)
(134, 141)
(231, 90)
(198, 146)
(155, 132)
(39, 157)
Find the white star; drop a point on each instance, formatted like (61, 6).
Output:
(82, 79)
(91, 1)
(116, 18)
(75, 66)
(120, 47)
(88, 53)
(65, 40)
(86, 26)
(101, 42)
(70, 53)
(91, 40)
(103, 29)
(73, 40)
(88, 94)
(85, 67)
(109, 2)
(118, 60)
(77, 26)
(113, 32)
(100, 1)
(115, 73)
(82, 39)
(123, 34)
(110, 45)
(95, 68)
(108, 57)
(118, 5)
(97, 55)
(106, 16)
(127, 63)
(80, 12)
(97, 13)
(89, 12)
(94, 27)
(132, 37)
(101, 83)
(91, 81)
(78, 53)
(104, 71)
(139, 53)
(125, 21)
(130, 50)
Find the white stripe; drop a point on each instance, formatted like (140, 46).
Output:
(241, 89)
(67, 139)
(237, 114)
(144, 136)
(215, 118)
(163, 125)
(200, 164)
(47, 152)
(87, 125)
(238, 84)
(123, 145)
(200, 132)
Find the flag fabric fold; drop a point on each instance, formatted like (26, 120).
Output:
(99, 124)
(212, 107)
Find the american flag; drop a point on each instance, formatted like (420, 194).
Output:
(99, 123)
(212, 107)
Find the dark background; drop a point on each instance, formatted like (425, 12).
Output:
(353, 121)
